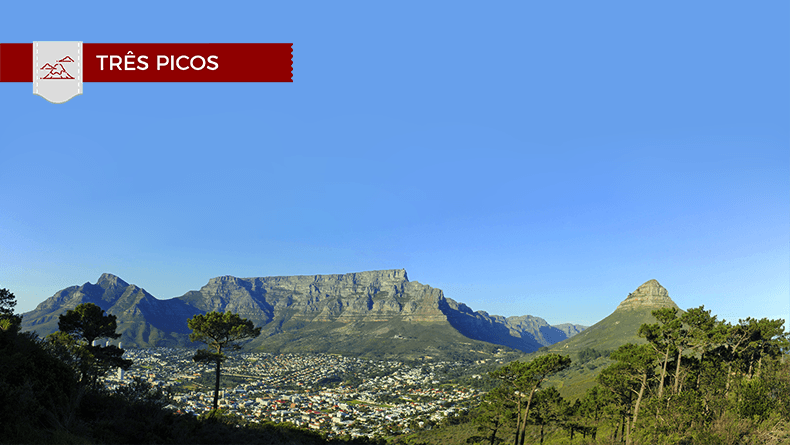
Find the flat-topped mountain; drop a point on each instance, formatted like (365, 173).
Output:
(366, 313)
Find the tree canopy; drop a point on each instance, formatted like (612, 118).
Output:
(219, 331)
(79, 329)
(696, 379)
(521, 380)
(8, 321)
(88, 322)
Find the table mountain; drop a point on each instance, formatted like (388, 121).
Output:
(364, 313)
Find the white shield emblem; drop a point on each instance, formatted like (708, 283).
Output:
(57, 70)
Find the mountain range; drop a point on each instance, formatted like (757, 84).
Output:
(378, 313)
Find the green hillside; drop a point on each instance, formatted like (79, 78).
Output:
(590, 348)
(394, 338)
(618, 328)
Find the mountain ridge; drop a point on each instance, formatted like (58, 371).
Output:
(338, 312)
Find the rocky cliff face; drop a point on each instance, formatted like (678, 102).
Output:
(651, 294)
(347, 313)
(372, 296)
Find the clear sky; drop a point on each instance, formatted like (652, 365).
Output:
(540, 158)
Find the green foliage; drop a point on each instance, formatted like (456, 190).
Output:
(7, 302)
(88, 322)
(73, 344)
(8, 321)
(219, 330)
(692, 379)
(494, 416)
(548, 407)
(43, 402)
(589, 354)
(37, 390)
(141, 392)
(520, 381)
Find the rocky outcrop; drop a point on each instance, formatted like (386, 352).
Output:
(651, 294)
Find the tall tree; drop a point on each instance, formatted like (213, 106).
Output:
(548, 407)
(509, 393)
(88, 322)
(659, 337)
(523, 379)
(636, 366)
(593, 409)
(494, 411)
(79, 329)
(735, 339)
(617, 379)
(765, 338)
(536, 373)
(8, 321)
(219, 331)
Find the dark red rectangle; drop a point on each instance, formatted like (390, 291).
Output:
(16, 62)
(235, 62)
(185, 62)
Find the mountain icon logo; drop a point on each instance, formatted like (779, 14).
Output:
(57, 71)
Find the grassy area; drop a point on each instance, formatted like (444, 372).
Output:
(394, 338)
(607, 335)
(451, 434)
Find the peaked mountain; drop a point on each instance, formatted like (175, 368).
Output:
(365, 313)
(142, 319)
(590, 349)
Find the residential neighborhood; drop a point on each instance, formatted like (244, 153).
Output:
(336, 394)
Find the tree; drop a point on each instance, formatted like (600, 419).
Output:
(548, 407)
(219, 331)
(494, 411)
(79, 329)
(659, 336)
(523, 379)
(635, 366)
(8, 321)
(766, 338)
(88, 322)
(593, 409)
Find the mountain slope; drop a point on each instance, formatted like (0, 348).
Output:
(617, 329)
(363, 312)
(142, 319)
(525, 333)
(358, 313)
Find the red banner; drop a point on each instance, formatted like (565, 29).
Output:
(16, 61)
(164, 62)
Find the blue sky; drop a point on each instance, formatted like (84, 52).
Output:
(539, 159)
